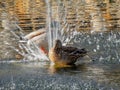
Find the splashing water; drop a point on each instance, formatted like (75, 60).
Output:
(52, 26)
(104, 48)
(64, 14)
(26, 48)
(58, 28)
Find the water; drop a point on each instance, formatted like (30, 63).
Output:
(80, 23)
(101, 70)
(102, 47)
(42, 76)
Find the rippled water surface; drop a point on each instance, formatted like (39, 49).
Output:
(42, 76)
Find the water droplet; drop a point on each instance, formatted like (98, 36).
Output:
(94, 50)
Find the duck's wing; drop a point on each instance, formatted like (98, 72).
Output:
(40, 38)
(80, 51)
(74, 50)
(35, 33)
(67, 54)
(73, 57)
(69, 49)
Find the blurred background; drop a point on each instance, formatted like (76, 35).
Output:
(79, 14)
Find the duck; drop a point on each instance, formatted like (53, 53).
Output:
(65, 55)
(39, 37)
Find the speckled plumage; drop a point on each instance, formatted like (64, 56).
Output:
(59, 54)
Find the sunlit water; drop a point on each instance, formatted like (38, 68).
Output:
(100, 70)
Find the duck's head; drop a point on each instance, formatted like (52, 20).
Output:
(57, 44)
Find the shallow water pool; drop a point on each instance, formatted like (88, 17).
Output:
(43, 76)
